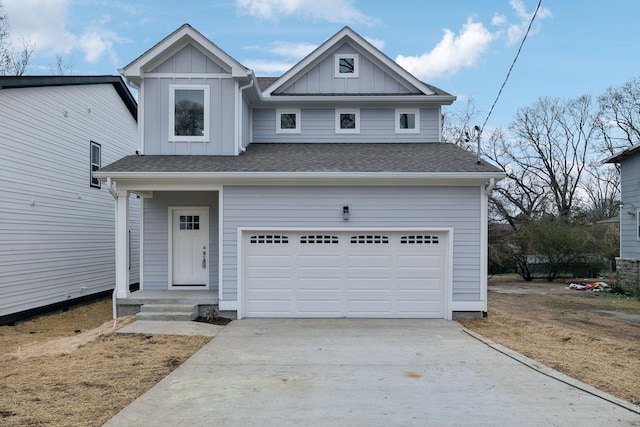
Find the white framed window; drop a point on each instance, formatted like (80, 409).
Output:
(287, 121)
(95, 163)
(189, 113)
(348, 120)
(347, 64)
(408, 120)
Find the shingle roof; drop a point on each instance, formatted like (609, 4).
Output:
(317, 157)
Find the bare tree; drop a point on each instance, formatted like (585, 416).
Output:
(19, 63)
(454, 123)
(13, 62)
(552, 140)
(602, 190)
(620, 117)
(61, 67)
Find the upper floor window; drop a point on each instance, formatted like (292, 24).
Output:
(287, 121)
(347, 64)
(408, 120)
(95, 163)
(348, 121)
(189, 113)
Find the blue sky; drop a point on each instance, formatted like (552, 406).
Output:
(465, 47)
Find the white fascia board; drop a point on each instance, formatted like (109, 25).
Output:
(160, 181)
(361, 100)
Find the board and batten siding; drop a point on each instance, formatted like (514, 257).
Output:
(156, 108)
(371, 78)
(318, 125)
(630, 190)
(56, 232)
(156, 235)
(379, 207)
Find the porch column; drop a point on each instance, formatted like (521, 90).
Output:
(122, 244)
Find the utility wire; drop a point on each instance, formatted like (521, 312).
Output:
(512, 65)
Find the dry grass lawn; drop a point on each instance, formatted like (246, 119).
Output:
(72, 370)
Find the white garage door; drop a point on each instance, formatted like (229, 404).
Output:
(344, 274)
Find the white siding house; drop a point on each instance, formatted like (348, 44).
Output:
(56, 220)
(628, 263)
(325, 192)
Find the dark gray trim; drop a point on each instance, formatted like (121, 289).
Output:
(17, 82)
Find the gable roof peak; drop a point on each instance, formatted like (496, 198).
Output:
(183, 35)
(361, 44)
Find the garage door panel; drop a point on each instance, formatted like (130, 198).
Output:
(346, 274)
(320, 285)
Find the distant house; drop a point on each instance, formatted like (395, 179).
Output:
(325, 192)
(628, 264)
(56, 218)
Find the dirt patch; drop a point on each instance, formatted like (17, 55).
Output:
(74, 371)
(593, 337)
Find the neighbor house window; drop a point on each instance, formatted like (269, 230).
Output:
(95, 162)
(287, 121)
(408, 120)
(347, 64)
(189, 113)
(348, 121)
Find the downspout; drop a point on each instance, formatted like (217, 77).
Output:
(488, 188)
(241, 89)
(113, 295)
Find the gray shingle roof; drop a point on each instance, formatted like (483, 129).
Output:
(317, 157)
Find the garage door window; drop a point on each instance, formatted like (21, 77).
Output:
(269, 239)
(319, 239)
(419, 239)
(369, 239)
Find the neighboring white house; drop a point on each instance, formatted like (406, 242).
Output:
(56, 219)
(326, 192)
(628, 264)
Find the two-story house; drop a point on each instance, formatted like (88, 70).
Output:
(56, 219)
(325, 192)
(628, 263)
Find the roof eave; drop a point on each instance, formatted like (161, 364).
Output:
(305, 176)
(434, 99)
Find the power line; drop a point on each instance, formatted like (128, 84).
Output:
(512, 65)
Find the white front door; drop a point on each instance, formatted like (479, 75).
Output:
(189, 247)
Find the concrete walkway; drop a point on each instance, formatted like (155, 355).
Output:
(356, 372)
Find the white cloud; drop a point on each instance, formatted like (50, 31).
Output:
(261, 67)
(376, 42)
(337, 11)
(290, 53)
(47, 29)
(463, 50)
(515, 32)
(452, 53)
(291, 50)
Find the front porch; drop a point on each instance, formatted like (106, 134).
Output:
(203, 299)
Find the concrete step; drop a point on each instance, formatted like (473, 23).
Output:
(171, 312)
(164, 308)
(168, 316)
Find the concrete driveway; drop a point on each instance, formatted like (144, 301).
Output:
(356, 372)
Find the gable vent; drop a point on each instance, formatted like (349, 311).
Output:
(369, 239)
(319, 239)
(269, 239)
(419, 239)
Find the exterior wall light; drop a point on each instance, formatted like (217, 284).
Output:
(345, 212)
